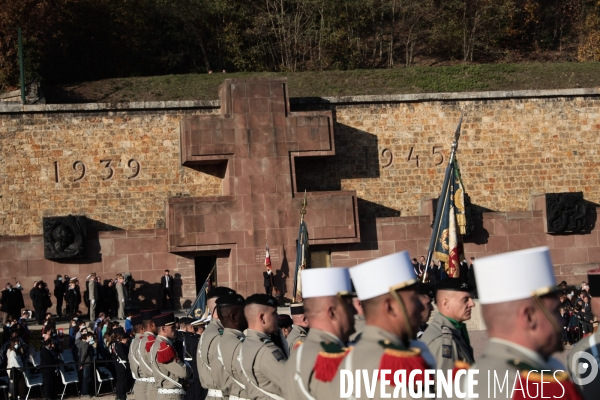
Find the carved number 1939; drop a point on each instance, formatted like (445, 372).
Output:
(80, 168)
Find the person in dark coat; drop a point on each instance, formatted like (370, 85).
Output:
(471, 279)
(78, 293)
(19, 303)
(40, 301)
(120, 356)
(194, 390)
(71, 298)
(59, 293)
(268, 280)
(48, 361)
(166, 283)
(10, 302)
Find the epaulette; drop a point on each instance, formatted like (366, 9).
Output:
(458, 366)
(165, 354)
(149, 343)
(396, 358)
(557, 384)
(328, 361)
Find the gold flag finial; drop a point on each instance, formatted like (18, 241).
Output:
(303, 204)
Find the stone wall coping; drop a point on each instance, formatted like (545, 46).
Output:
(212, 104)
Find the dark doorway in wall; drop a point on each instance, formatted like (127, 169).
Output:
(203, 266)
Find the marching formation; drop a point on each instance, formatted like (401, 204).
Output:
(355, 335)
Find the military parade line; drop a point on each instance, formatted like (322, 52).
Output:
(354, 336)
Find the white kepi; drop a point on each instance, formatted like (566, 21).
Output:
(383, 275)
(517, 275)
(323, 282)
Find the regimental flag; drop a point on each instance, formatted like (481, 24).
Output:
(267, 257)
(302, 261)
(199, 309)
(450, 222)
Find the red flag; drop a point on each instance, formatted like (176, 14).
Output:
(267, 257)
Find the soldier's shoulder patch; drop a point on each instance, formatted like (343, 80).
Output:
(278, 354)
(447, 351)
(221, 331)
(328, 361)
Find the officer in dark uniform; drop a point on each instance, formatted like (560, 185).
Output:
(120, 356)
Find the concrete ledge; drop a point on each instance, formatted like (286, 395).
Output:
(213, 104)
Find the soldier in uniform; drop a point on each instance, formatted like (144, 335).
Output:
(194, 391)
(146, 375)
(170, 373)
(387, 288)
(523, 323)
(590, 346)
(312, 367)
(212, 378)
(134, 363)
(446, 336)
(300, 327)
(180, 336)
(261, 361)
(231, 314)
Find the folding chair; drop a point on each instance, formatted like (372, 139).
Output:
(67, 356)
(35, 359)
(104, 375)
(32, 380)
(4, 383)
(68, 377)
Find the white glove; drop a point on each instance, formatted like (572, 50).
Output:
(92, 301)
(123, 301)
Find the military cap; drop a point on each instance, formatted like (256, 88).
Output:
(383, 275)
(148, 314)
(284, 321)
(297, 309)
(536, 280)
(136, 320)
(185, 320)
(594, 282)
(218, 292)
(424, 288)
(166, 319)
(119, 331)
(325, 282)
(197, 322)
(453, 284)
(73, 279)
(262, 299)
(233, 299)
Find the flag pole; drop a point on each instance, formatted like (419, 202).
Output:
(303, 204)
(440, 203)
(200, 292)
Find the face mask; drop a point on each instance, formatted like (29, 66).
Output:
(16, 346)
(18, 285)
(91, 342)
(73, 324)
(75, 318)
(60, 279)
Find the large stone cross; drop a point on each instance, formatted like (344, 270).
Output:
(258, 138)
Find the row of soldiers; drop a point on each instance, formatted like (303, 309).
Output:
(236, 357)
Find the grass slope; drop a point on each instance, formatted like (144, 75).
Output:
(456, 78)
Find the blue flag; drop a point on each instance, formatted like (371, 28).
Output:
(198, 309)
